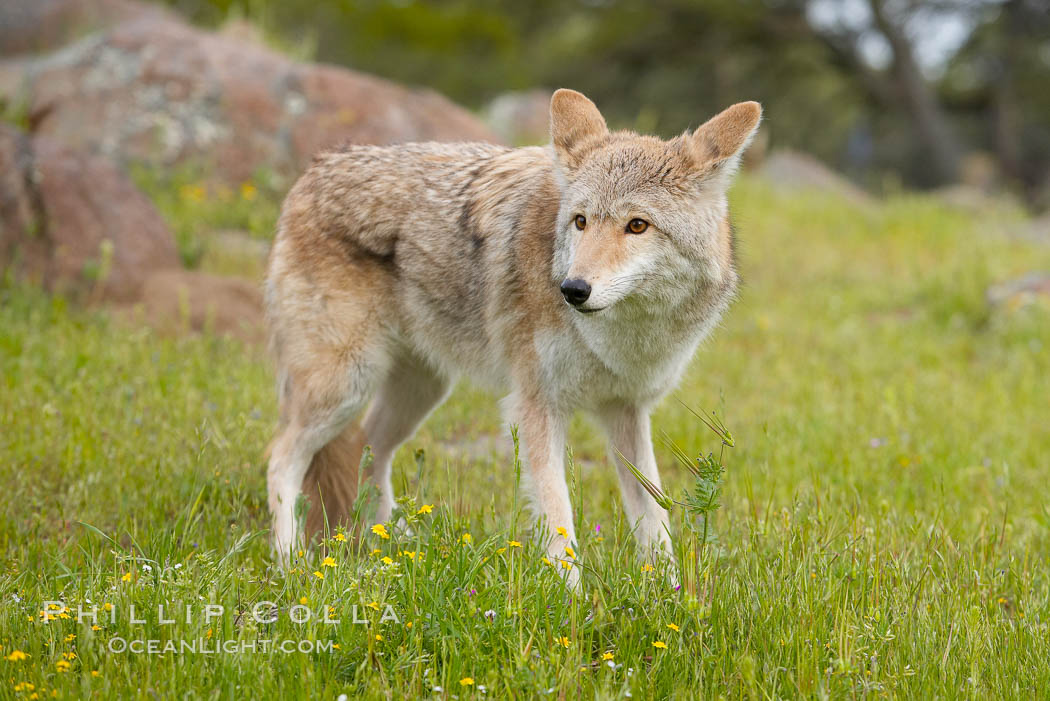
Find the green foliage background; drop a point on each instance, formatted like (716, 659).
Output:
(667, 65)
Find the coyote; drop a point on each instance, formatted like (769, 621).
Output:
(581, 275)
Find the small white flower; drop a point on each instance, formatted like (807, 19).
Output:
(341, 697)
(438, 689)
(146, 568)
(490, 614)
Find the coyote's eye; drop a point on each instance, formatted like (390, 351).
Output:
(637, 226)
(580, 221)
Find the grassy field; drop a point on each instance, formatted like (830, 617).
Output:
(883, 529)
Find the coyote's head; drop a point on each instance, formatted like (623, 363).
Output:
(643, 218)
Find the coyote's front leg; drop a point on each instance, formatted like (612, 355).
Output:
(541, 432)
(630, 437)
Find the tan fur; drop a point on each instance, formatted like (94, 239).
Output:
(331, 482)
(398, 269)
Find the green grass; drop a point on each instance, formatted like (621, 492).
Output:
(883, 529)
(195, 208)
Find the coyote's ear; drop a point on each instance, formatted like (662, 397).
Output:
(576, 126)
(718, 143)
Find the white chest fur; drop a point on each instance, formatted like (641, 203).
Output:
(626, 357)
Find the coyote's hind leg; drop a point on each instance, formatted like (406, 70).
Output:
(290, 458)
(410, 390)
(331, 357)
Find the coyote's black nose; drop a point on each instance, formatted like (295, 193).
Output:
(576, 291)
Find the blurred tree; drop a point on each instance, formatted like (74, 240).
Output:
(998, 85)
(902, 87)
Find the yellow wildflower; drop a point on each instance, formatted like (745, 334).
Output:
(126, 577)
(319, 574)
(380, 530)
(513, 543)
(192, 192)
(304, 601)
(659, 645)
(248, 191)
(647, 567)
(16, 656)
(339, 537)
(62, 666)
(607, 656)
(467, 538)
(425, 509)
(328, 561)
(569, 551)
(466, 681)
(673, 627)
(387, 560)
(562, 532)
(563, 641)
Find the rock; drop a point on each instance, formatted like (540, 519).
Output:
(981, 170)
(156, 91)
(1033, 288)
(973, 199)
(233, 252)
(1038, 229)
(790, 170)
(75, 222)
(521, 117)
(757, 151)
(179, 300)
(239, 244)
(31, 26)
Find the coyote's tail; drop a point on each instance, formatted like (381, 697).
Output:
(331, 482)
